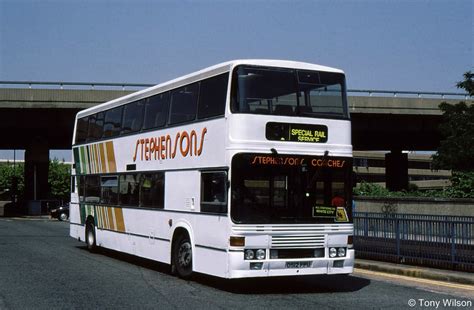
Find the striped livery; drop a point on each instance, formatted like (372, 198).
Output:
(95, 158)
(108, 218)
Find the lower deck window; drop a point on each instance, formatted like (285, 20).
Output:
(152, 190)
(214, 192)
(133, 189)
(109, 190)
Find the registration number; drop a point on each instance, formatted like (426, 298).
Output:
(293, 265)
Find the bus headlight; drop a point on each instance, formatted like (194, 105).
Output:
(249, 254)
(260, 254)
(341, 252)
(332, 252)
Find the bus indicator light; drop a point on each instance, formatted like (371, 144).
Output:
(237, 241)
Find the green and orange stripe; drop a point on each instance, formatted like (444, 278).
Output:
(95, 158)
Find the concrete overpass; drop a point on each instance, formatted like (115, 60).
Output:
(39, 116)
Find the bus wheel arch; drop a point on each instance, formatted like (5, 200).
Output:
(90, 236)
(182, 253)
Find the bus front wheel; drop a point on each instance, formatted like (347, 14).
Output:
(183, 256)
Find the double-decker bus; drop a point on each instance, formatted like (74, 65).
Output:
(242, 169)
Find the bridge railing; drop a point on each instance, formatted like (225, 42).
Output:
(131, 86)
(74, 85)
(433, 240)
(408, 94)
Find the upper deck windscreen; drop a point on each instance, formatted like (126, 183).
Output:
(290, 92)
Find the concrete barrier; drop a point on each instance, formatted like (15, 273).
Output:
(427, 206)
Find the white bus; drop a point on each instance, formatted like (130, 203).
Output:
(239, 170)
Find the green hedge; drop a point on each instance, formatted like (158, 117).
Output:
(462, 187)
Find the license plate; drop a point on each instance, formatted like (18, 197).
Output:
(298, 265)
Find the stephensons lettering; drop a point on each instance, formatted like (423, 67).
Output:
(184, 144)
(297, 161)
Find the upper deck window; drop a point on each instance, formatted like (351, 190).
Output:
(81, 130)
(290, 92)
(156, 110)
(184, 104)
(212, 96)
(132, 117)
(113, 122)
(96, 124)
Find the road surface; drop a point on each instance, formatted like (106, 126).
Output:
(41, 267)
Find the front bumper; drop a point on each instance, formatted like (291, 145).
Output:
(240, 268)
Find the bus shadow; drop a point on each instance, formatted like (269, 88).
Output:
(131, 259)
(313, 284)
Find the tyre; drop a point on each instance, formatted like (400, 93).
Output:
(63, 217)
(183, 256)
(90, 237)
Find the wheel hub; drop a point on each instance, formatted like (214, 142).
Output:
(90, 238)
(185, 254)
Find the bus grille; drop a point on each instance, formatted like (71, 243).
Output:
(298, 241)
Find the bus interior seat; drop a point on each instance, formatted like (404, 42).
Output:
(283, 110)
(159, 119)
(261, 110)
(305, 109)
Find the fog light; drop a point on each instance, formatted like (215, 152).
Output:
(338, 264)
(332, 252)
(249, 254)
(260, 254)
(341, 252)
(256, 266)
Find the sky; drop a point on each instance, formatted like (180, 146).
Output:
(382, 45)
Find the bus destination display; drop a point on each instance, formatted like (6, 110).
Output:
(296, 132)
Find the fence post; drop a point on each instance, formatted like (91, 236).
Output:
(397, 233)
(366, 225)
(453, 245)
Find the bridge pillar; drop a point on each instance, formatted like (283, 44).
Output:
(36, 170)
(396, 170)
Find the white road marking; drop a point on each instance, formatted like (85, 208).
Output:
(418, 280)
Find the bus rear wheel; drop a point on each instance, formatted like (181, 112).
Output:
(183, 256)
(90, 237)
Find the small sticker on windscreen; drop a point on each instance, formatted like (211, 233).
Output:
(324, 211)
(341, 215)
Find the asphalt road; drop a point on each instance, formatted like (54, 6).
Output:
(42, 268)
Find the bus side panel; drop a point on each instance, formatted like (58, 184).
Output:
(208, 232)
(212, 262)
(211, 240)
(148, 234)
(192, 146)
(76, 228)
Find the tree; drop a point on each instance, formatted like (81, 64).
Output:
(59, 179)
(468, 83)
(12, 178)
(456, 150)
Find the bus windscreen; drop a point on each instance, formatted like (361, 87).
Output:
(290, 189)
(289, 92)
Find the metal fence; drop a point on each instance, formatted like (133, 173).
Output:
(123, 86)
(429, 240)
